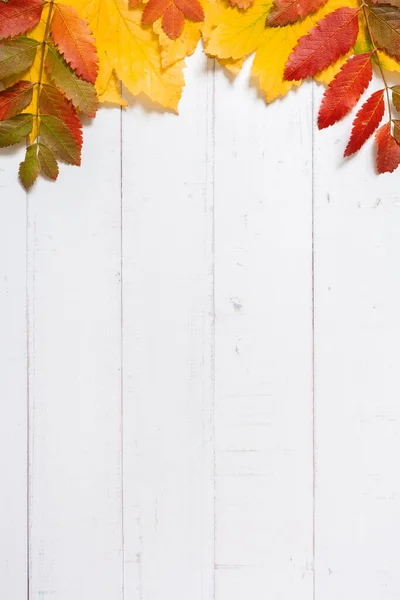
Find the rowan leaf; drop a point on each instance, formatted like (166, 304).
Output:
(345, 90)
(192, 9)
(388, 150)
(242, 4)
(15, 98)
(74, 40)
(332, 37)
(366, 121)
(19, 16)
(52, 102)
(29, 168)
(15, 129)
(81, 93)
(173, 21)
(396, 96)
(48, 162)
(16, 56)
(384, 22)
(131, 51)
(285, 12)
(153, 10)
(396, 130)
(56, 135)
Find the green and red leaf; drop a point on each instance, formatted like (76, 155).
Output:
(367, 120)
(52, 102)
(14, 99)
(345, 90)
(29, 169)
(331, 38)
(56, 135)
(16, 56)
(48, 162)
(19, 16)
(75, 41)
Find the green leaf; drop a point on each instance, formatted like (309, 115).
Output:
(29, 169)
(16, 55)
(396, 96)
(56, 135)
(14, 130)
(384, 22)
(396, 131)
(81, 93)
(48, 162)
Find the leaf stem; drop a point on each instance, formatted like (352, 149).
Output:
(378, 62)
(43, 47)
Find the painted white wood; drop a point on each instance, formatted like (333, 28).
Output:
(357, 297)
(168, 345)
(75, 380)
(263, 352)
(13, 368)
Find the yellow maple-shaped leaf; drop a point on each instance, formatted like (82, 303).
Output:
(131, 51)
(173, 51)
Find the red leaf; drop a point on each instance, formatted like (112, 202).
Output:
(75, 41)
(154, 9)
(367, 120)
(192, 9)
(388, 150)
(15, 98)
(54, 103)
(288, 11)
(134, 3)
(332, 37)
(345, 90)
(173, 21)
(19, 16)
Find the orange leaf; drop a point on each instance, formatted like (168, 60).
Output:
(331, 38)
(388, 150)
(173, 21)
(192, 9)
(19, 16)
(289, 11)
(242, 4)
(344, 91)
(154, 9)
(367, 120)
(75, 41)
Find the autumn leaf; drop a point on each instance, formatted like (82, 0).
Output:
(345, 89)
(15, 129)
(332, 37)
(173, 51)
(388, 150)
(173, 21)
(16, 56)
(81, 93)
(56, 135)
(19, 16)
(74, 40)
(384, 22)
(242, 4)
(48, 162)
(285, 12)
(367, 120)
(396, 97)
(131, 51)
(29, 169)
(14, 99)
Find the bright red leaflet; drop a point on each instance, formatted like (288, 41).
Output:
(173, 21)
(345, 90)
(332, 37)
(367, 120)
(75, 41)
(288, 11)
(388, 150)
(192, 9)
(19, 16)
(153, 10)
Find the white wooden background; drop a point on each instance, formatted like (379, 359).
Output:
(199, 360)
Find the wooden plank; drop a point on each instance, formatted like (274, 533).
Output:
(13, 397)
(74, 380)
(264, 402)
(168, 346)
(357, 325)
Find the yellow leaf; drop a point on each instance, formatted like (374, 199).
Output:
(112, 93)
(131, 51)
(173, 51)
